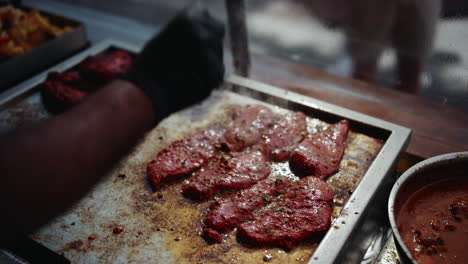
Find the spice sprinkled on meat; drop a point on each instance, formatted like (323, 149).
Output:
(302, 211)
(232, 171)
(183, 156)
(286, 133)
(249, 123)
(320, 154)
(228, 212)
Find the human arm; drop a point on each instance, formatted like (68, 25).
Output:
(48, 166)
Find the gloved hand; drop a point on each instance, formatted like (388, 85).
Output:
(182, 64)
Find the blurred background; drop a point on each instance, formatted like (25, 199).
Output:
(382, 40)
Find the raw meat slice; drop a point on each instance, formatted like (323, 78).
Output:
(231, 171)
(293, 217)
(289, 131)
(228, 212)
(309, 189)
(320, 154)
(286, 227)
(247, 128)
(183, 156)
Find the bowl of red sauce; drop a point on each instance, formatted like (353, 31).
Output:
(428, 211)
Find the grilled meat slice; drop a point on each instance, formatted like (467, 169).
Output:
(183, 156)
(249, 123)
(106, 67)
(231, 171)
(302, 211)
(320, 154)
(286, 133)
(232, 210)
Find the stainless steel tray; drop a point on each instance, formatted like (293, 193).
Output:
(129, 201)
(364, 215)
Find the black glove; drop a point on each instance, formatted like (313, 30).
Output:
(182, 64)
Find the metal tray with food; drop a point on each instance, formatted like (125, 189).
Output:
(160, 225)
(23, 103)
(33, 40)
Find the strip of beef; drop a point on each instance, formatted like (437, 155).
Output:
(320, 154)
(287, 132)
(231, 171)
(302, 211)
(183, 156)
(249, 123)
(226, 213)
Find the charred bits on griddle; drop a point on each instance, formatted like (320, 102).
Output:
(117, 230)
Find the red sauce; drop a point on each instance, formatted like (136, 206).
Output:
(433, 222)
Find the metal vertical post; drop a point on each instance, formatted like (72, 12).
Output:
(238, 36)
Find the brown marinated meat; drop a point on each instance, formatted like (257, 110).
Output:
(183, 156)
(249, 123)
(106, 67)
(320, 154)
(292, 217)
(286, 133)
(232, 171)
(226, 213)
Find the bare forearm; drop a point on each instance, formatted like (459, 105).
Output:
(48, 166)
